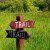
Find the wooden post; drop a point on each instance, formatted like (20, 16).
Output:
(19, 42)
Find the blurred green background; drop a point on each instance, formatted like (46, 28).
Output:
(38, 10)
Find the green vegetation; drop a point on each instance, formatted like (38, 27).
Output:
(38, 10)
(24, 5)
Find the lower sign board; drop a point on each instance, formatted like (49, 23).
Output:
(20, 24)
(20, 34)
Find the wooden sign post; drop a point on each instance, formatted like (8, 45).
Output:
(19, 32)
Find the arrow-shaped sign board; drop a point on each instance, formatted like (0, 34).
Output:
(20, 34)
(22, 24)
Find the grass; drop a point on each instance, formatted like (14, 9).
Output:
(39, 35)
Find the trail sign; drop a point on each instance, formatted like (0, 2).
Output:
(19, 33)
(22, 24)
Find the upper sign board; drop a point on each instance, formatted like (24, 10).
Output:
(22, 24)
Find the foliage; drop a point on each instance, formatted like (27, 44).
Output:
(41, 4)
(15, 5)
(24, 5)
(48, 4)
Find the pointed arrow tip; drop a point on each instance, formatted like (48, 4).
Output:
(7, 31)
